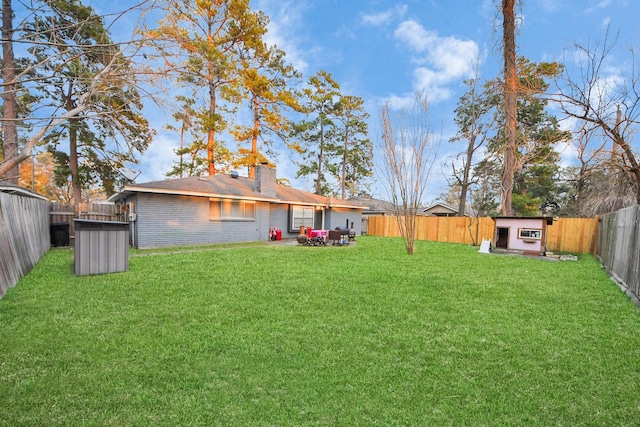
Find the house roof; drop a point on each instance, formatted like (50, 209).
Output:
(375, 206)
(6, 187)
(230, 187)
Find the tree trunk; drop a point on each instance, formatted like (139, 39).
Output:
(344, 161)
(462, 205)
(254, 138)
(320, 154)
(580, 189)
(464, 185)
(634, 166)
(510, 104)
(73, 165)
(211, 137)
(10, 104)
(181, 147)
(619, 140)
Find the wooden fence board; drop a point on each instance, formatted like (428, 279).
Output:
(24, 234)
(619, 246)
(63, 212)
(577, 235)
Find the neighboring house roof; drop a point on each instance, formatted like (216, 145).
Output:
(230, 187)
(440, 205)
(375, 206)
(440, 208)
(6, 187)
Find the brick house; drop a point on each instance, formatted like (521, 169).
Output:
(227, 209)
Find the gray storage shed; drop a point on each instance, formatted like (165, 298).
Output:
(101, 247)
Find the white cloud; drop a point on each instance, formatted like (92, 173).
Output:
(566, 150)
(400, 102)
(385, 17)
(443, 60)
(158, 159)
(415, 35)
(568, 154)
(603, 4)
(549, 5)
(432, 83)
(284, 18)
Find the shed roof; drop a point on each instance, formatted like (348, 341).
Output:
(548, 219)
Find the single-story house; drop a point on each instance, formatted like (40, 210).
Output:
(526, 234)
(227, 208)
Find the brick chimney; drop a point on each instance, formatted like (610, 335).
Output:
(265, 180)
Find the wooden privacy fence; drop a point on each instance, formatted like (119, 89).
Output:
(63, 212)
(578, 235)
(619, 248)
(438, 229)
(24, 236)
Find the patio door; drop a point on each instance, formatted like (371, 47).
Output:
(318, 220)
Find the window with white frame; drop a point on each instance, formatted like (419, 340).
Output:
(301, 216)
(232, 210)
(530, 233)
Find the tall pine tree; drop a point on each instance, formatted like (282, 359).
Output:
(199, 40)
(317, 133)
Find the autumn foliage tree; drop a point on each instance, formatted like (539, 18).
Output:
(265, 84)
(199, 41)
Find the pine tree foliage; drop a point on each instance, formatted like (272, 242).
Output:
(200, 41)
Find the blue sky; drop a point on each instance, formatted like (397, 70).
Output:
(385, 51)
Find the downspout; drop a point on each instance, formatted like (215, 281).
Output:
(324, 211)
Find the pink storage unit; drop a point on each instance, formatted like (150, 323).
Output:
(527, 234)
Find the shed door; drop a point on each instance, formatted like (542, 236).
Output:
(502, 240)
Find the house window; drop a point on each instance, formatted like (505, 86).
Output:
(232, 210)
(301, 216)
(530, 233)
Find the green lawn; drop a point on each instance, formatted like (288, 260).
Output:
(287, 335)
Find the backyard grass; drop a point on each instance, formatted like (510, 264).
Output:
(361, 335)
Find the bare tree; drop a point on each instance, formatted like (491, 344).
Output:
(610, 102)
(600, 183)
(472, 120)
(408, 152)
(38, 77)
